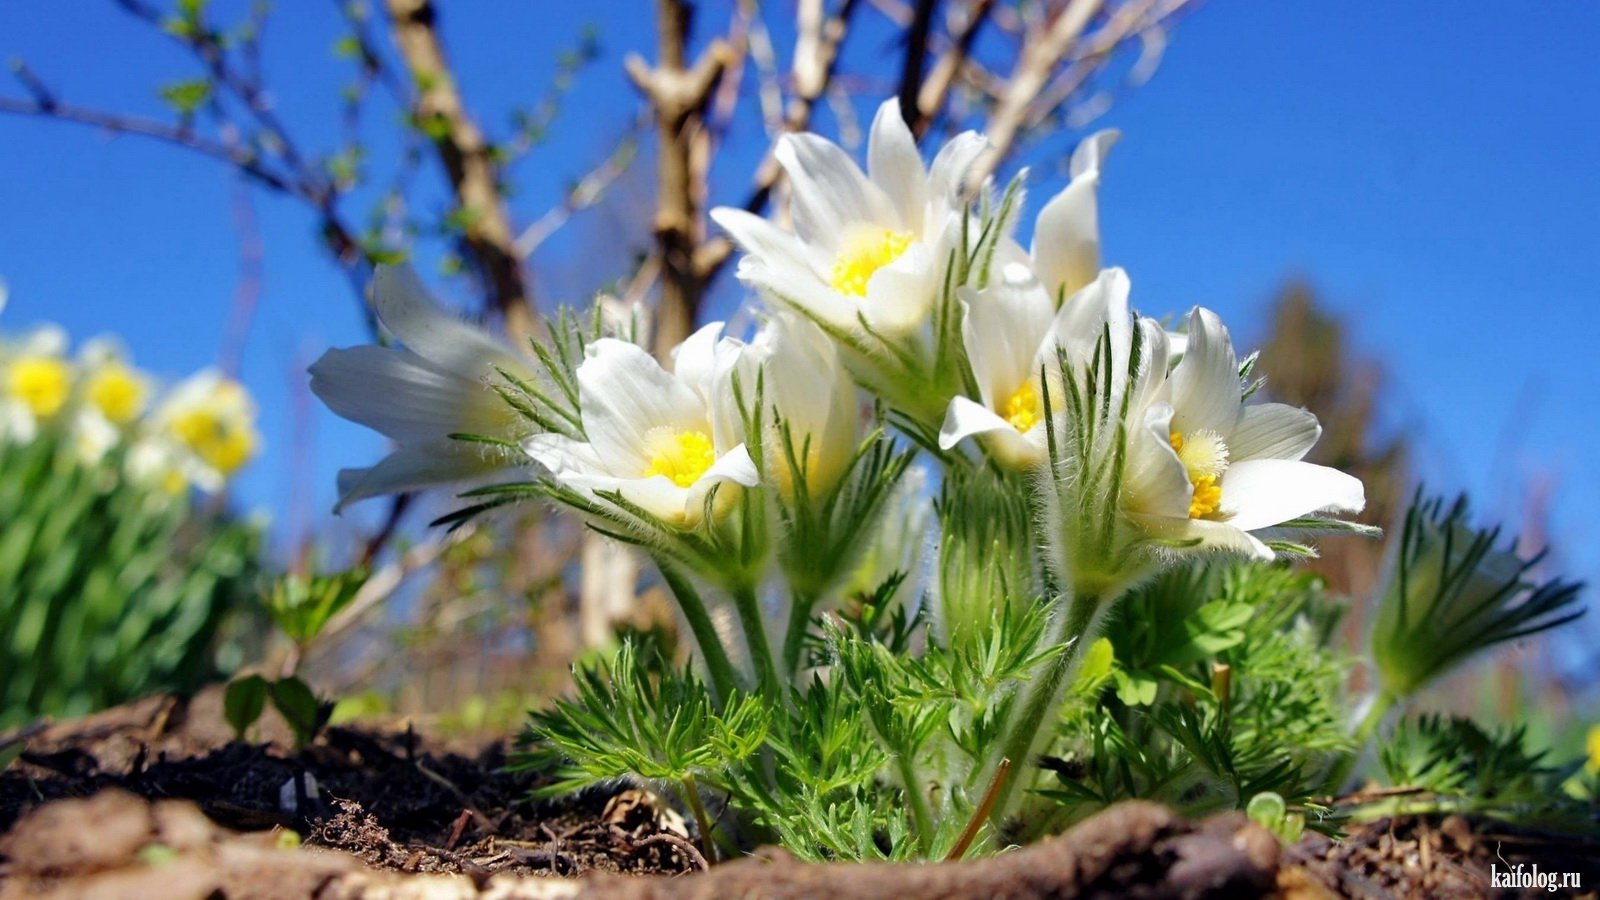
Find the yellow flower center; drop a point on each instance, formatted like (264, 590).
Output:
(865, 250)
(224, 444)
(117, 392)
(683, 455)
(43, 383)
(1024, 410)
(1204, 455)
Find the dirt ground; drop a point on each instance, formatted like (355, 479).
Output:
(155, 799)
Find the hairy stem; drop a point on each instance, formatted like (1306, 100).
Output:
(920, 813)
(794, 636)
(755, 635)
(701, 820)
(723, 681)
(1042, 697)
(1382, 703)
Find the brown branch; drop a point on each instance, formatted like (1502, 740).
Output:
(1042, 49)
(936, 89)
(916, 58)
(468, 162)
(816, 61)
(679, 93)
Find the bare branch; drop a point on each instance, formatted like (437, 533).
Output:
(586, 193)
(916, 57)
(1042, 49)
(816, 59)
(468, 161)
(679, 94)
(936, 89)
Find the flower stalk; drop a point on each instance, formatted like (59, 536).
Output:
(1027, 733)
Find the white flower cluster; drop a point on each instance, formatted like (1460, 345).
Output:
(901, 285)
(196, 434)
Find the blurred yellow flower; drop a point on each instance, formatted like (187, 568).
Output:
(1594, 749)
(42, 383)
(211, 420)
(117, 391)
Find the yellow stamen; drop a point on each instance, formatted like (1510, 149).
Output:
(682, 456)
(43, 383)
(1024, 410)
(864, 251)
(117, 392)
(1204, 455)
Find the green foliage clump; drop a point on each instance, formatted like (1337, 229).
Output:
(109, 590)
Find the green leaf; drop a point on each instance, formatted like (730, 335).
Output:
(243, 702)
(185, 97)
(299, 707)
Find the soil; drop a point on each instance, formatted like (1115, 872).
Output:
(156, 799)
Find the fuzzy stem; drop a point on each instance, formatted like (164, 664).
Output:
(800, 607)
(723, 681)
(1382, 703)
(1043, 697)
(755, 635)
(701, 820)
(920, 813)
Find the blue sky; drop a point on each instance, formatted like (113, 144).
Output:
(1433, 173)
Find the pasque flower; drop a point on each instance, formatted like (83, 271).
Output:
(1012, 330)
(813, 406)
(663, 441)
(1206, 470)
(437, 387)
(867, 247)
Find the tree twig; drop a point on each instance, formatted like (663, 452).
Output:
(678, 92)
(468, 161)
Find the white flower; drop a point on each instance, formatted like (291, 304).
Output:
(867, 246)
(807, 388)
(1012, 331)
(437, 386)
(1066, 236)
(207, 425)
(1204, 466)
(35, 383)
(111, 396)
(663, 440)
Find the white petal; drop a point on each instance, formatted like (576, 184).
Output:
(900, 295)
(1273, 431)
(415, 467)
(829, 190)
(1205, 384)
(562, 455)
(777, 248)
(1214, 536)
(405, 308)
(947, 176)
(402, 395)
(965, 418)
(695, 360)
(1157, 483)
(1260, 493)
(895, 166)
(623, 393)
(1006, 328)
(1090, 153)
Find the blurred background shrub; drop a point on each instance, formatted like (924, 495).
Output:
(121, 573)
